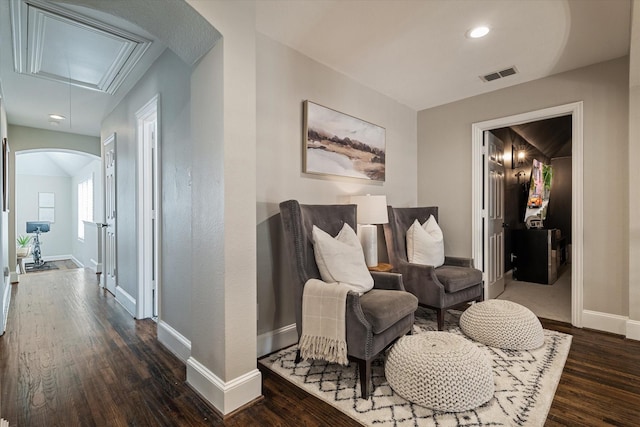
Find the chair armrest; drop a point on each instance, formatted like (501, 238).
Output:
(458, 262)
(389, 281)
(421, 281)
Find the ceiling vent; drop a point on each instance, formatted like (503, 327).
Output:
(499, 74)
(57, 44)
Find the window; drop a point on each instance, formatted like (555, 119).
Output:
(85, 204)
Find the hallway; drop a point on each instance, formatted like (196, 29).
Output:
(72, 356)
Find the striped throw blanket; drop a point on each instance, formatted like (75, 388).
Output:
(323, 322)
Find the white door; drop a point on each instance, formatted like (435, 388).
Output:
(148, 210)
(494, 209)
(110, 269)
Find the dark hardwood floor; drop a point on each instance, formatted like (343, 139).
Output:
(72, 356)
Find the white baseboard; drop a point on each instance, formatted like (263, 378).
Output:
(126, 300)
(174, 341)
(275, 340)
(6, 301)
(225, 397)
(604, 322)
(14, 277)
(633, 330)
(77, 261)
(95, 266)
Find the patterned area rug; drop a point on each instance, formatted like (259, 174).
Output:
(525, 384)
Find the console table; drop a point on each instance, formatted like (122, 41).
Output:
(538, 254)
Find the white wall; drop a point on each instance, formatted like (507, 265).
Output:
(57, 242)
(285, 79)
(86, 251)
(444, 175)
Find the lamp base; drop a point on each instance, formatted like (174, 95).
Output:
(369, 240)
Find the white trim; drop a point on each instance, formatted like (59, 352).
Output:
(56, 258)
(146, 115)
(577, 190)
(633, 330)
(126, 300)
(226, 397)
(604, 322)
(275, 340)
(174, 341)
(95, 266)
(77, 261)
(6, 301)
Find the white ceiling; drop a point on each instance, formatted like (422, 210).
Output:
(52, 163)
(414, 51)
(29, 99)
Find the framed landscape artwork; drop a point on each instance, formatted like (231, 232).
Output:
(339, 144)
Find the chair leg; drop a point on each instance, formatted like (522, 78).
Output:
(298, 357)
(440, 313)
(364, 367)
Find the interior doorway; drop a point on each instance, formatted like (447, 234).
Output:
(480, 178)
(537, 193)
(58, 199)
(148, 211)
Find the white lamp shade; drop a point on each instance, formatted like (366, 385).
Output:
(371, 209)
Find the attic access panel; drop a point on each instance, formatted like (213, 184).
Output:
(61, 45)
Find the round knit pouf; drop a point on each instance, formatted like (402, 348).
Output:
(502, 324)
(441, 371)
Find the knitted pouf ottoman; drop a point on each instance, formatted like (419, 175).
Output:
(441, 371)
(502, 324)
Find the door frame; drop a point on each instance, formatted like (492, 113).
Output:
(479, 234)
(148, 172)
(111, 138)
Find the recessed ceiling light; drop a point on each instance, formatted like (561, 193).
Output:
(477, 32)
(56, 117)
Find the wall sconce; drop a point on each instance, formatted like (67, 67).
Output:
(371, 210)
(518, 156)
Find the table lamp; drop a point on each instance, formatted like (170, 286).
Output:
(372, 210)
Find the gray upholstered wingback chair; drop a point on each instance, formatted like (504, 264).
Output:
(375, 319)
(448, 286)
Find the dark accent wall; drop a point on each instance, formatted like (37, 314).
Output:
(516, 189)
(559, 212)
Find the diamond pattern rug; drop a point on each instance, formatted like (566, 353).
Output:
(525, 384)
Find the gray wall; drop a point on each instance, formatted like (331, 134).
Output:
(285, 79)
(633, 327)
(5, 287)
(169, 77)
(444, 150)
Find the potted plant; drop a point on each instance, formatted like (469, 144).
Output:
(23, 245)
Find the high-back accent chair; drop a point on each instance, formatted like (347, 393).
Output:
(448, 286)
(375, 319)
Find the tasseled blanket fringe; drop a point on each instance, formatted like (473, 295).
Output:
(331, 350)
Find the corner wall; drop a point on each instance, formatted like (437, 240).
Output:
(444, 176)
(286, 78)
(633, 325)
(169, 77)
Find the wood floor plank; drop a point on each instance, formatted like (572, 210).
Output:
(72, 356)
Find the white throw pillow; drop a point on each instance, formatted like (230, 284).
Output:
(341, 259)
(425, 243)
